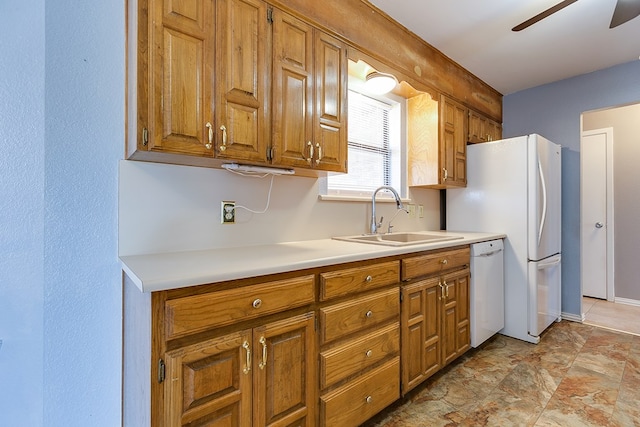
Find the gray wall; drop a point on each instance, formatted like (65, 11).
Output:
(625, 122)
(554, 110)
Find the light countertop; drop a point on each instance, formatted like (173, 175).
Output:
(163, 271)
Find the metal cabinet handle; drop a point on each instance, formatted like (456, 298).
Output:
(319, 152)
(368, 279)
(247, 366)
(257, 303)
(368, 399)
(223, 147)
(444, 262)
(369, 353)
(441, 291)
(369, 314)
(310, 158)
(445, 174)
(209, 144)
(262, 364)
(446, 288)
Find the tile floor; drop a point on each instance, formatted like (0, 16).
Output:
(578, 375)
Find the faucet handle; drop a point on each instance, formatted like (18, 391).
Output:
(380, 223)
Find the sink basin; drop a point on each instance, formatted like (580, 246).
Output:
(400, 239)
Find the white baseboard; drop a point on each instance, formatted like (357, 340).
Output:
(573, 317)
(627, 301)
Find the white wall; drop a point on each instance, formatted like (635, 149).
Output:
(554, 110)
(176, 208)
(22, 221)
(625, 122)
(61, 132)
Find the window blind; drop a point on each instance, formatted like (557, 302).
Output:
(369, 148)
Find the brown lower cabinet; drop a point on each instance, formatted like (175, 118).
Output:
(435, 314)
(330, 346)
(256, 377)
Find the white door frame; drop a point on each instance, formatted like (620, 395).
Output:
(609, 227)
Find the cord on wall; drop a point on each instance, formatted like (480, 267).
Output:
(257, 173)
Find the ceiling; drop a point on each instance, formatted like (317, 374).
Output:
(477, 35)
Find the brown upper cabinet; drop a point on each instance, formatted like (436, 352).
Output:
(216, 81)
(207, 91)
(482, 128)
(309, 96)
(436, 141)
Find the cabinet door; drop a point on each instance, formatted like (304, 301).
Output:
(284, 373)
(453, 144)
(241, 75)
(181, 49)
(330, 129)
(420, 332)
(456, 327)
(477, 128)
(292, 90)
(209, 383)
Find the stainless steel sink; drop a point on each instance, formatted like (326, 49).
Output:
(401, 238)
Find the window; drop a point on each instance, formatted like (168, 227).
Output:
(375, 155)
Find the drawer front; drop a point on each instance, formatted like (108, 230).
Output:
(196, 313)
(348, 359)
(362, 398)
(342, 319)
(353, 280)
(435, 263)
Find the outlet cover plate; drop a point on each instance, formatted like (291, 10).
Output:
(227, 212)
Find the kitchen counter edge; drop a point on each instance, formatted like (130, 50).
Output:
(172, 270)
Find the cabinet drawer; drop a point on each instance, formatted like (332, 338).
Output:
(342, 319)
(362, 398)
(345, 360)
(196, 313)
(434, 263)
(353, 280)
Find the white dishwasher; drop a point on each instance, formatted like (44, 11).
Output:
(487, 290)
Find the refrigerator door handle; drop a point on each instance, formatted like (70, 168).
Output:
(544, 202)
(544, 266)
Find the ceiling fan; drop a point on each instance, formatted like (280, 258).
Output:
(625, 11)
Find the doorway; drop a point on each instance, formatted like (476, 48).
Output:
(596, 214)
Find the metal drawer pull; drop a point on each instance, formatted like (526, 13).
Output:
(444, 262)
(247, 366)
(446, 287)
(369, 313)
(368, 279)
(257, 303)
(369, 353)
(262, 364)
(368, 399)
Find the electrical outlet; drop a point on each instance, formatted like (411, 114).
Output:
(420, 211)
(412, 211)
(227, 212)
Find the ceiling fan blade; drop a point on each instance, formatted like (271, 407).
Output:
(542, 15)
(625, 11)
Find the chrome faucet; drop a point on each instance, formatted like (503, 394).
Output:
(374, 223)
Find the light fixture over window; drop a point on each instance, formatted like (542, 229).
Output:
(379, 83)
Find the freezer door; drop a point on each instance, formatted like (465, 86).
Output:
(544, 175)
(544, 293)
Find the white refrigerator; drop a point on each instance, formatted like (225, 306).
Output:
(514, 187)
